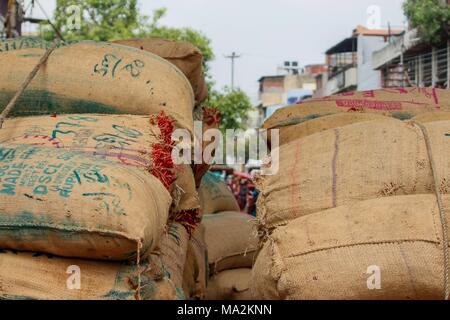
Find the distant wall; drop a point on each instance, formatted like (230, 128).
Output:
(368, 78)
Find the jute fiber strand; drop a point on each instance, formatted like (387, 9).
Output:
(89, 77)
(173, 250)
(215, 196)
(184, 55)
(69, 204)
(361, 161)
(231, 240)
(303, 129)
(230, 285)
(28, 276)
(126, 139)
(332, 254)
(401, 103)
(196, 273)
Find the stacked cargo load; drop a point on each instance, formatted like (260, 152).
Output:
(362, 187)
(87, 175)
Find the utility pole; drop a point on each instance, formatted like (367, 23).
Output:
(233, 57)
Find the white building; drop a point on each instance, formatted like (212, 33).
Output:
(350, 62)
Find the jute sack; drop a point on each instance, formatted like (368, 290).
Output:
(28, 276)
(173, 250)
(69, 204)
(210, 118)
(196, 273)
(307, 128)
(138, 141)
(340, 253)
(356, 162)
(401, 103)
(432, 116)
(184, 55)
(231, 284)
(89, 77)
(230, 240)
(190, 273)
(186, 207)
(215, 196)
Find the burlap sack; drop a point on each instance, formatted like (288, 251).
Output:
(124, 139)
(336, 254)
(27, 276)
(432, 116)
(307, 128)
(173, 250)
(230, 240)
(196, 273)
(74, 205)
(89, 77)
(230, 285)
(215, 196)
(190, 273)
(184, 55)
(356, 162)
(139, 141)
(186, 208)
(210, 118)
(401, 103)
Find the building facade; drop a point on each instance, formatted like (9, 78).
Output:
(277, 91)
(409, 61)
(350, 62)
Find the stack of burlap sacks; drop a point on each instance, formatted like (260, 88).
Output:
(87, 181)
(357, 190)
(222, 251)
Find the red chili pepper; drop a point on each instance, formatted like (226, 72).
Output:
(211, 116)
(190, 219)
(163, 166)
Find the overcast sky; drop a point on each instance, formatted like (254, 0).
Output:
(267, 32)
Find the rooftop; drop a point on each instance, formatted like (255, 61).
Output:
(271, 77)
(351, 44)
(361, 30)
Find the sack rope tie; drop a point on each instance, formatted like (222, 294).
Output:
(138, 262)
(25, 84)
(441, 211)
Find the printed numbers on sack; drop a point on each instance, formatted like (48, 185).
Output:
(111, 63)
(109, 60)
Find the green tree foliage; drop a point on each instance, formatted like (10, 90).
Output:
(195, 37)
(100, 20)
(107, 20)
(431, 17)
(234, 106)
